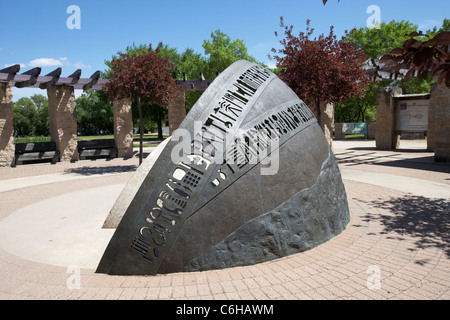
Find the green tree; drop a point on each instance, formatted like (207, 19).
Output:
(222, 51)
(31, 116)
(376, 42)
(191, 64)
(444, 28)
(41, 121)
(358, 109)
(24, 114)
(154, 118)
(94, 113)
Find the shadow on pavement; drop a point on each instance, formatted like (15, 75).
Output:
(424, 163)
(419, 163)
(427, 220)
(402, 150)
(87, 171)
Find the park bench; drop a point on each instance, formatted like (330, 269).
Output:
(36, 151)
(98, 148)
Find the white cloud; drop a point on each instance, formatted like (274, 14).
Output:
(22, 65)
(62, 61)
(45, 62)
(79, 65)
(429, 24)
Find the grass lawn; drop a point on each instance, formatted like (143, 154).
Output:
(150, 140)
(355, 136)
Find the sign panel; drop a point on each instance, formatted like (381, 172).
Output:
(412, 115)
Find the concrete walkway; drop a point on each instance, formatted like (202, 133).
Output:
(396, 245)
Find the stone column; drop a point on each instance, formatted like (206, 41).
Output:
(326, 120)
(440, 105)
(338, 131)
(123, 127)
(63, 121)
(386, 119)
(371, 128)
(431, 118)
(176, 111)
(7, 147)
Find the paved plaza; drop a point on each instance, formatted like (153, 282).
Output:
(396, 245)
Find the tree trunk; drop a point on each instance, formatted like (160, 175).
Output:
(159, 122)
(141, 131)
(317, 102)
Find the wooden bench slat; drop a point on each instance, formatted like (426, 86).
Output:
(100, 143)
(36, 151)
(35, 147)
(37, 155)
(97, 148)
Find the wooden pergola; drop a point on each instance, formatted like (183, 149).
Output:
(62, 109)
(33, 79)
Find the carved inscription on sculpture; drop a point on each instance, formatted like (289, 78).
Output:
(244, 150)
(176, 198)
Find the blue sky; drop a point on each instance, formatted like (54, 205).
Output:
(35, 33)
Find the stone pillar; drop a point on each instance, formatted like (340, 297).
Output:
(338, 131)
(431, 119)
(176, 111)
(440, 106)
(386, 119)
(123, 127)
(327, 120)
(371, 128)
(7, 147)
(63, 121)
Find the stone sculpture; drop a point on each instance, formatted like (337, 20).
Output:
(248, 177)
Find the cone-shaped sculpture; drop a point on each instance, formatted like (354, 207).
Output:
(248, 177)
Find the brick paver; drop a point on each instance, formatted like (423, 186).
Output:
(395, 246)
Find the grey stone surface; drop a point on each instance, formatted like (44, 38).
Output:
(304, 221)
(186, 206)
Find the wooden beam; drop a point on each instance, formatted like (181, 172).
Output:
(11, 71)
(33, 73)
(75, 76)
(32, 79)
(93, 80)
(55, 74)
